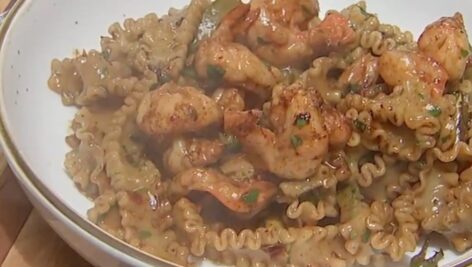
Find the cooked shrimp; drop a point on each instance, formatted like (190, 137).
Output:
(280, 36)
(230, 99)
(397, 67)
(186, 153)
(446, 41)
(173, 109)
(299, 139)
(337, 126)
(247, 197)
(219, 58)
(296, 13)
(362, 74)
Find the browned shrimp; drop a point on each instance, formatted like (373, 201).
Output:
(299, 138)
(220, 58)
(186, 153)
(280, 33)
(446, 41)
(230, 99)
(363, 73)
(246, 197)
(173, 109)
(398, 67)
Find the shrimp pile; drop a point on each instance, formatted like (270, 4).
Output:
(253, 134)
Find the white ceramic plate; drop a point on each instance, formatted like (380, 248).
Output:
(34, 123)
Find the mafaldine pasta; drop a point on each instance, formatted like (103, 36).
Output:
(266, 134)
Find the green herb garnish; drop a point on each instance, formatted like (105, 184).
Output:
(353, 234)
(231, 142)
(464, 52)
(215, 72)
(104, 71)
(251, 196)
(420, 260)
(189, 72)
(348, 196)
(193, 46)
(300, 123)
(368, 157)
(360, 126)
(366, 236)
(296, 141)
(144, 234)
(261, 41)
(421, 95)
(106, 54)
(307, 12)
(313, 196)
(364, 12)
(154, 86)
(445, 138)
(302, 119)
(434, 110)
(353, 88)
(162, 77)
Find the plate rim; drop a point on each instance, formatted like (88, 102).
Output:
(32, 183)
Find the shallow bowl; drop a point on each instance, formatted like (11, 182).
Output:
(33, 122)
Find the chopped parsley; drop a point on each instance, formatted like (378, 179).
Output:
(313, 196)
(307, 11)
(422, 162)
(302, 119)
(296, 141)
(189, 72)
(154, 86)
(251, 196)
(231, 142)
(364, 12)
(144, 234)
(104, 71)
(366, 158)
(348, 196)
(366, 236)
(433, 110)
(162, 76)
(420, 260)
(353, 88)
(464, 53)
(445, 138)
(360, 126)
(354, 234)
(106, 54)
(261, 41)
(215, 72)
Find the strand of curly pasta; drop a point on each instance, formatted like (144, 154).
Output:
(404, 238)
(370, 171)
(306, 211)
(394, 110)
(186, 33)
(379, 139)
(191, 222)
(460, 151)
(125, 176)
(323, 178)
(376, 42)
(85, 162)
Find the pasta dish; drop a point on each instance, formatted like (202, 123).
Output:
(268, 134)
